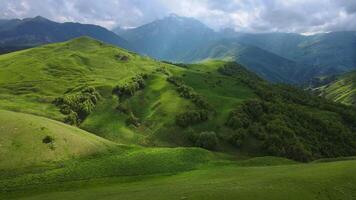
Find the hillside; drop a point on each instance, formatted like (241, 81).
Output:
(132, 99)
(27, 140)
(340, 88)
(18, 34)
(268, 65)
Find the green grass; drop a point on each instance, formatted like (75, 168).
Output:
(21, 141)
(31, 79)
(283, 180)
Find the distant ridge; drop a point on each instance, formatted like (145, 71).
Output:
(19, 34)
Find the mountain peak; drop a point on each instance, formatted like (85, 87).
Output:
(40, 18)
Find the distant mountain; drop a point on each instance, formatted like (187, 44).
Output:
(333, 52)
(18, 34)
(266, 64)
(170, 38)
(338, 88)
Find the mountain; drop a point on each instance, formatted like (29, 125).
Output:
(266, 64)
(19, 34)
(340, 88)
(169, 38)
(331, 52)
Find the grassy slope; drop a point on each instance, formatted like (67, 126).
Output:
(282, 180)
(31, 79)
(342, 90)
(21, 141)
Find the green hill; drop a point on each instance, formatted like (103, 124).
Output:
(131, 99)
(153, 116)
(340, 89)
(27, 140)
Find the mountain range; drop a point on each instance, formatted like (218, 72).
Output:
(278, 57)
(19, 34)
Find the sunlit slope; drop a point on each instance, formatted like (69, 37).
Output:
(31, 79)
(342, 90)
(27, 140)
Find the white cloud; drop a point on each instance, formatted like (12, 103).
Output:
(303, 16)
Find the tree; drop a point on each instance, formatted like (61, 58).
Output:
(207, 140)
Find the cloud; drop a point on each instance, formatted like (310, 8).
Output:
(301, 16)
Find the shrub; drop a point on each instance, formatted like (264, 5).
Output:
(207, 140)
(77, 106)
(192, 117)
(130, 87)
(48, 139)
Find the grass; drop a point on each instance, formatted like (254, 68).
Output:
(281, 180)
(31, 79)
(41, 158)
(22, 141)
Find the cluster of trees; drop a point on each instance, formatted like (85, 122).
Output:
(129, 88)
(189, 93)
(192, 117)
(289, 121)
(292, 130)
(77, 106)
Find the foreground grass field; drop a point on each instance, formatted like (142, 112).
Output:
(245, 180)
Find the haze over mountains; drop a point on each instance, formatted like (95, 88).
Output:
(18, 34)
(278, 57)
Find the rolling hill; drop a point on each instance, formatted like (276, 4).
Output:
(28, 140)
(154, 124)
(18, 34)
(131, 99)
(340, 88)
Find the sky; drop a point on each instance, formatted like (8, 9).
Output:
(299, 16)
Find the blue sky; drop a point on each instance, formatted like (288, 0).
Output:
(301, 16)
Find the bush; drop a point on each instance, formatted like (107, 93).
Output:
(192, 117)
(130, 87)
(207, 140)
(77, 106)
(48, 139)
